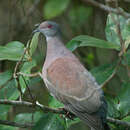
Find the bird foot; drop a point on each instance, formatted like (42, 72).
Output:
(68, 114)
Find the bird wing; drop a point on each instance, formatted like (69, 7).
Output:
(75, 87)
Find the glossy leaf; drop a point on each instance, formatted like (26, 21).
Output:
(127, 118)
(124, 99)
(5, 127)
(103, 72)
(85, 40)
(112, 107)
(9, 91)
(126, 60)
(111, 29)
(5, 76)
(51, 122)
(27, 117)
(26, 69)
(55, 103)
(4, 111)
(12, 51)
(34, 43)
(54, 8)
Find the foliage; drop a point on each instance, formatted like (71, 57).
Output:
(118, 105)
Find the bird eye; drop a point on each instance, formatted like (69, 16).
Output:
(49, 26)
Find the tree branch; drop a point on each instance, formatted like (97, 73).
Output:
(32, 105)
(107, 8)
(38, 106)
(118, 122)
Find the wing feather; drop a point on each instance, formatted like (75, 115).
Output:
(72, 84)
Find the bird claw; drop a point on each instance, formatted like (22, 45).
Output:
(68, 114)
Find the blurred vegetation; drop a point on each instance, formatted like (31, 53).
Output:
(88, 31)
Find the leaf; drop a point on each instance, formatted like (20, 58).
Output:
(103, 72)
(111, 29)
(127, 118)
(127, 42)
(26, 69)
(34, 43)
(51, 122)
(5, 127)
(126, 60)
(54, 8)
(5, 76)
(12, 51)
(4, 111)
(112, 107)
(85, 40)
(124, 98)
(55, 103)
(27, 66)
(9, 91)
(27, 117)
(22, 83)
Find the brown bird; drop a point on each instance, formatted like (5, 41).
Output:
(70, 82)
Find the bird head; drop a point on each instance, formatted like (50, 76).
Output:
(48, 28)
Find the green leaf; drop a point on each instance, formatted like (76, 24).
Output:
(12, 51)
(54, 8)
(126, 60)
(4, 111)
(26, 69)
(127, 42)
(103, 72)
(124, 99)
(9, 91)
(85, 40)
(27, 117)
(34, 43)
(55, 103)
(112, 107)
(22, 83)
(5, 76)
(51, 122)
(2, 127)
(127, 118)
(27, 66)
(111, 29)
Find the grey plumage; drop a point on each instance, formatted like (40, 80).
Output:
(69, 82)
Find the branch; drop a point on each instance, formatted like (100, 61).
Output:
(46, 109)
(20, 125)
(28, 75)
(118, 122)
(107, 8)
(37, 106)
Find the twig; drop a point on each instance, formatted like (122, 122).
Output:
(118, 122)
(112, 75)
(20, 125)
(107, 8)
(18, 63)
(37, 106)
(109, 78)
(28, 89)
(17, 67)
(28, 75)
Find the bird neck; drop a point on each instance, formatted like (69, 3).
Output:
(55, 47)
